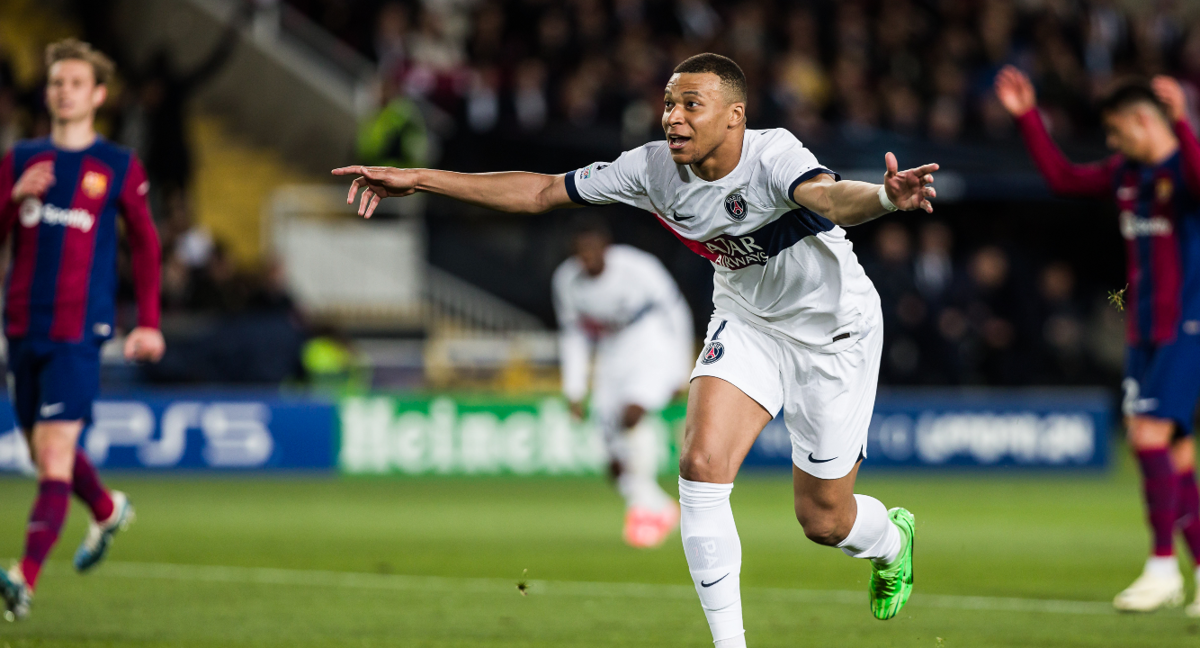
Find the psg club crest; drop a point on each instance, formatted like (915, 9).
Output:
(714, 350)
(735, 206)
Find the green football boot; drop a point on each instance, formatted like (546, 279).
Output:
(892, 585)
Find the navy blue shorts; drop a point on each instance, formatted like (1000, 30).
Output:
(1164, 381)
(52, 381)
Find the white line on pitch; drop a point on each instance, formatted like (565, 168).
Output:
(318, 578)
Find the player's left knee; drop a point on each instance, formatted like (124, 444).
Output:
(1149, 432)
(53, 446)
(823, 532)
(54, 462)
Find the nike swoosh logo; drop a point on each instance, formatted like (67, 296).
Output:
(703, 584)
(679, 219)
(814, 460)
(52, 409)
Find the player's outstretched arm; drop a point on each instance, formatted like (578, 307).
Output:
(509, 191)
(849, 202)
(1015, 92)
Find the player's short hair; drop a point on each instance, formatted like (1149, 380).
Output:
(731, 75)
(590, 225)
(1127, 93)
(73, 49)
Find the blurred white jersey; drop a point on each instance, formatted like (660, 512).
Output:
(634, 319)
(779, 266)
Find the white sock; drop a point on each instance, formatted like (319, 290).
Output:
(1162, 566)
(714, 557)
(874, 536)
(638, 482)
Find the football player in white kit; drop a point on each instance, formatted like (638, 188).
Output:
(796, 324)
(619, 305)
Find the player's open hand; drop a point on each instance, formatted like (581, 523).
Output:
(34, 182)
(1015, 91)
(144, 344)
(1170, 93)
(909, 189)
(379, 183)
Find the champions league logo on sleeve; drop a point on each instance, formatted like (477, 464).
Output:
(587, 171)
(712, 353)
(735, 206)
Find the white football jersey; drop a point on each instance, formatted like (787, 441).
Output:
(779, 266)
(632, 315)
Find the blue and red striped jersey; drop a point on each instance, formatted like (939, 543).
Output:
(61, 284)
(1159, 219)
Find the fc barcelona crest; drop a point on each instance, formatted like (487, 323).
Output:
(712, 353)
(1163, 188)
(735, 206)
(94, 184)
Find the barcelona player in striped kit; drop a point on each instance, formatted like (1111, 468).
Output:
(1155, 179)
(60, 200)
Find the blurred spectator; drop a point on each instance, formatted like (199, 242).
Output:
(904, 311)
(999, 315)
(154, 120)
(396, 135)
(391, 35)
(332, 364)
(529, 96)
(934, 269)
(1063, 339)
(165, 91)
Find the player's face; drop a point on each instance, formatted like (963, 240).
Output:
(71, 91)
(697, 116)
(589, 249)
(1128, 132)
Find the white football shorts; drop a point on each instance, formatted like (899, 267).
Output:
(827, 398)
(636, 369)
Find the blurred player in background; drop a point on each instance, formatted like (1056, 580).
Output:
(619, 305)
(797, 324)
(1155, 179)
(60, 198)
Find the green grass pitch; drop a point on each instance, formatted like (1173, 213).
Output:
(302, 561)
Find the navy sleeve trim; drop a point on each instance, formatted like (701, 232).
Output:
(573, 191)
(806, 176)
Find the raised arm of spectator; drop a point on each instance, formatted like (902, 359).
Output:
(509, 191)
(221, 52)
(144, 342)
(1171, 94)
(1016, 93)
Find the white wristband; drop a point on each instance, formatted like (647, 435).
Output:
(885, 201)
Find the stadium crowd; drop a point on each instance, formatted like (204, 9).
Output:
(991, 316)
(820, 68)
